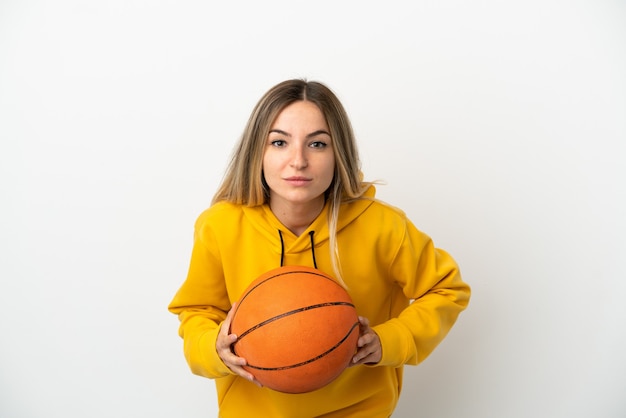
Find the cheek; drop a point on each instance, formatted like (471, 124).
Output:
(331, 164)
(267, 163)
(329, 169)
(271, 167)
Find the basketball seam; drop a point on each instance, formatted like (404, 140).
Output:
(292, 312)
(311, 360)
(249, 291)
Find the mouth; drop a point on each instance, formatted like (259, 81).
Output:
(297, 180)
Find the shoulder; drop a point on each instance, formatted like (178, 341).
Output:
(221, 213)
(370, 210)
(385, 211)
(370, 217)
(375, 205)
(385, 207)
(392, 220)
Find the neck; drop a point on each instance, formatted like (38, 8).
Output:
(297, 218)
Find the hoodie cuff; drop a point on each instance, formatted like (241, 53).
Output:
(398, 347)
(209, 359)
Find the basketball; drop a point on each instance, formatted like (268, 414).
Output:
(296, 327)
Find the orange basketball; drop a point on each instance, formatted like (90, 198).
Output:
(296, 327)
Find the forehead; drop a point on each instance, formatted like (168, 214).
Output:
(300, 114)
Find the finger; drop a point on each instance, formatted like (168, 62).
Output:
(229, 318)
(365, 323)
(226, 352)
(366, 338)
(250, 377)
(368, 354)
(369, 348)
(241, 371)
(361, 357)
(363, 351)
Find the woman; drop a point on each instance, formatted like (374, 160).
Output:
(293, 195)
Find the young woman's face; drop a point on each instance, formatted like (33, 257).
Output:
(298, 162)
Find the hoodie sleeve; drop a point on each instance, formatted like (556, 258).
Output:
(431, 279)
(201, 304)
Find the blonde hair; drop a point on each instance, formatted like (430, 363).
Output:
(243, 181)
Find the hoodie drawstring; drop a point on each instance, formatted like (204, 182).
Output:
(313, 248)
(282, 248)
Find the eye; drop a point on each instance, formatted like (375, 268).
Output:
(278, 143)
(318, 144)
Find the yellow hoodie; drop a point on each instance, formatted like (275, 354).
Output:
(386, 263)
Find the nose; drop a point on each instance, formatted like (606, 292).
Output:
(298, 158)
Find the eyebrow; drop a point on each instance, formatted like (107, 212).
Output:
(311, 135)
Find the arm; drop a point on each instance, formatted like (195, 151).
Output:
(431, 278)
(202, 304)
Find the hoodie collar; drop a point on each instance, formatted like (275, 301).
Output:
(264, 220)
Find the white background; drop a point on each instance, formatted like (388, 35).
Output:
(499, 127)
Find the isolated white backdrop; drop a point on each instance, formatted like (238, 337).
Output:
(499, 127)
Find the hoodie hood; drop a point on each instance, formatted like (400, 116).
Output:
(268, 225)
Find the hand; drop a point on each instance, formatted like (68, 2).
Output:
(224, 350)
(369, 349)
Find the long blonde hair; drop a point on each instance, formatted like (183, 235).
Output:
(243, 181)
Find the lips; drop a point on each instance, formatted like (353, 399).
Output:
(297, 180)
